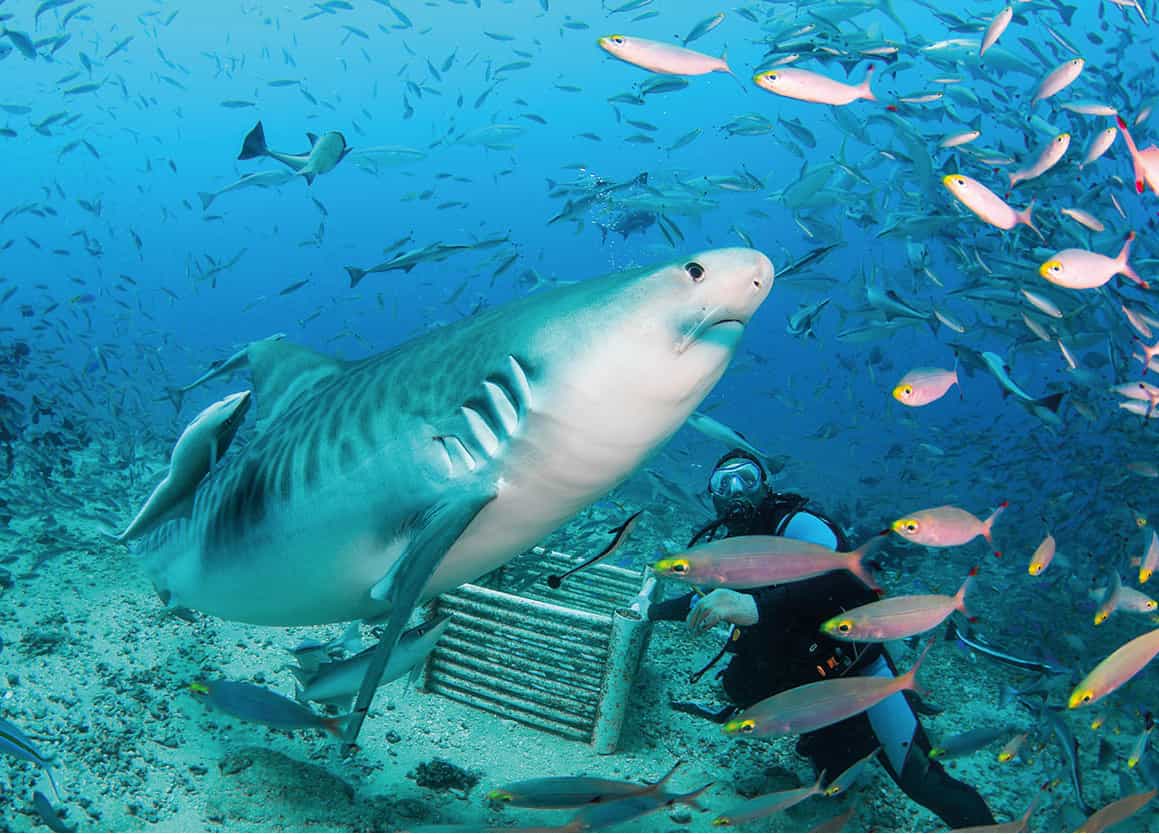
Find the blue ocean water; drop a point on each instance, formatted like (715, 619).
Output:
(486, 118)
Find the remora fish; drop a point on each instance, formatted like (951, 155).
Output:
(337, 682)
(217, 368)
(260, 179)
(372, 485)
(983, 647)
(196, 452)
(326, 151)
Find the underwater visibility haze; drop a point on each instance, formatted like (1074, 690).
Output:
(647, 415)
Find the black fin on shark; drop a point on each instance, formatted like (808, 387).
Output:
(254, 144)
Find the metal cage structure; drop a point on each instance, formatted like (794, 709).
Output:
(560, 660)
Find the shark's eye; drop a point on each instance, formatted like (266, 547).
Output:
(695, 270)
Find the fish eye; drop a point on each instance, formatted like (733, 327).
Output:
(695, 270)
(747, 727)
(845, 626)
(907, 390)
(680, 567)
(617, 39)
(911, 526)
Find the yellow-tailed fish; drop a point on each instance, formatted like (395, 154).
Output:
(745, 562)
(1078, 269)
(663, 58)
(896, 618)
(805, 85)
(768, 804)
(1010, 750)
(1150, 558)
(922, 386)
(1139, 750)
(1043, 555)
(1099, 146)
(1118, 668)
(1047, 159)
(1110, 599)
(986, 204)
(995, 29)
(1116, 812)
(816, 705)
(946, 526)
(1058, 79)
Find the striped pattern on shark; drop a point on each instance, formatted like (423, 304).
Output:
(374, 484)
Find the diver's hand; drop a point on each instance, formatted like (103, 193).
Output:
(723, 606)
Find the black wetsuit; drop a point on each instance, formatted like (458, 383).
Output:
(784, 649)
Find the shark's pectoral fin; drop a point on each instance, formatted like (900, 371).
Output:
(433, 535)
(312, 138)
(282, 372)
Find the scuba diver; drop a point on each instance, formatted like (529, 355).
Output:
(775, 645)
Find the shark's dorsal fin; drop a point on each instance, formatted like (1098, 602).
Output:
(282, 372)
(313, 137)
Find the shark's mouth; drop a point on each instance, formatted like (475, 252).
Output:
(698, 329)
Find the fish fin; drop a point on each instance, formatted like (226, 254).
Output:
(312, 138)
(355, 274)
(206, 199)
(1050, 402)
(1124, 266)
(960, 597)
(857, 560)
(309, 177)
(433, 535)
(863, 87)
(254, 144)
(283, 372)
(1025, 218)
(910, 680)
(988, 525)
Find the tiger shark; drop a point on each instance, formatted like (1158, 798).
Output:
(373, 485)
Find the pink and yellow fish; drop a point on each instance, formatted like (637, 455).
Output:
(663, 58)
(805, 85)
(816, 705)
(986, 204)
(946, 527)
(1078, 269)
(922, 386)
(1119, 667)
(896, 618)
(745, 562)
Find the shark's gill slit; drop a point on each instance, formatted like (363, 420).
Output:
(484, 435)
(521, 385)
(503, 404)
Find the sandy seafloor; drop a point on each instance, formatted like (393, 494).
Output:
(97, 673)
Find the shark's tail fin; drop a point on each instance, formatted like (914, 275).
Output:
(254, 144)
(1050, 402)
(356, 275)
